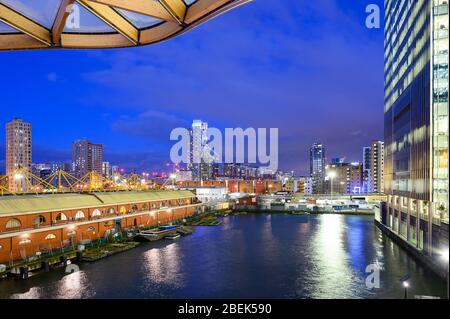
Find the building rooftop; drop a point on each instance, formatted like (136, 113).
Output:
(56, 202)
(47, 24)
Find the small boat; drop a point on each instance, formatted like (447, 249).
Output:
(173, 237)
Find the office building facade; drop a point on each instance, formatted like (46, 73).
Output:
(416, 123)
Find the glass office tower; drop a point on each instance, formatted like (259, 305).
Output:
(416, 122)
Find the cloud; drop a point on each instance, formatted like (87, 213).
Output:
(309, 68)
(137, 161)
(52, 77)
(151, 125)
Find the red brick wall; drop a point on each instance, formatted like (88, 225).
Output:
(92, 231)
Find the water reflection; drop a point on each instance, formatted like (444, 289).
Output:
(74, 286)
(33, 293)
(249, 256)
(334, 276)
(162, 266)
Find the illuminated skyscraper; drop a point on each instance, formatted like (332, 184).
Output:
(201, 163)
(416, 121)
(377, 167)
(18, 153)
(86, 157)
(317, 167)
(373, 168)
(367, 169)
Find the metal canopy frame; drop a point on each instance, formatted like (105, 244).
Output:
(172, 17)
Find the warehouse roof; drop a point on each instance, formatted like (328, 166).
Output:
(56, 202)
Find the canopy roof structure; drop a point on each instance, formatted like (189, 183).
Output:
(47, 24)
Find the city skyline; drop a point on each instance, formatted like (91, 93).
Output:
(163, 169)
(288, 150)
(84, 104)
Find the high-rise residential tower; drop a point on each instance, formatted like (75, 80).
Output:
(201, 162)
(377, 167)
(18, 153)
(367, 169)
(373, 168)
(86, 157)
(317, 167)
(416, 122)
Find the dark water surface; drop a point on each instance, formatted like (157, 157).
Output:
(249, 256)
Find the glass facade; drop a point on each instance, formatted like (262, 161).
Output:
(440, 109)
(416, 120)
(317, 167)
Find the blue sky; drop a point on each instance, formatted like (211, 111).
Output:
(310, 68)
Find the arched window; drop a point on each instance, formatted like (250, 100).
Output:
(39, 220)
(90, 228)
(123, 210)
(79, 215)
(25, 241)
(144, 207)
(61, 217)
(111, 211)
(134, 208)
(50, 236)
(13, 223)
(96, 213)
(71, 233)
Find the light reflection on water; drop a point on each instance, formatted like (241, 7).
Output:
(334, 276)
(248, 256)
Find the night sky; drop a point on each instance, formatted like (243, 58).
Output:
(310, 68)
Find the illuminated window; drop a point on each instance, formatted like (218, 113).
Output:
(39, 220)
(25, 241)
(61, 217)
(96, 213)
(90, 229)
(50, 236)
(79, 215)
(13, 223)
(71, 233)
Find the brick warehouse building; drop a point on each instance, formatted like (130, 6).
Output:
(239, 186)
(40, 223)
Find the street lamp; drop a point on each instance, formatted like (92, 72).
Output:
(173, 177)
(406, 285)
(18, 178)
